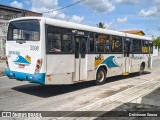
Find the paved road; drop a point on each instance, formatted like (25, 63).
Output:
(17, 95)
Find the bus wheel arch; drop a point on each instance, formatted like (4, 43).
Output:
(101, 75)
(142, 67)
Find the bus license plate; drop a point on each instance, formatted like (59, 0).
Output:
(21, 66)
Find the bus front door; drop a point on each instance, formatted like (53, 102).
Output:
(80, 58)
(127, 59)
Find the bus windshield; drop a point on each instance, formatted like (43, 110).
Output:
(24, 30)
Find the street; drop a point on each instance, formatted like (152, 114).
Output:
(24, 96)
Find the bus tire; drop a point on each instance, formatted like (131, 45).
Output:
(101, 76)
(141, 71)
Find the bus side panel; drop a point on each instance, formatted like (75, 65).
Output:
(113, 63)
(137, 59)
(60, 69)
(91, 67)
(146, 59)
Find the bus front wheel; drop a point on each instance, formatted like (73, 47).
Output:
(101, 76)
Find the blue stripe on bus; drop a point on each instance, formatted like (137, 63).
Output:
(39, 78)
(110, 62)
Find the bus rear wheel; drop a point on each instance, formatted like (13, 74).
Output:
(101, 76)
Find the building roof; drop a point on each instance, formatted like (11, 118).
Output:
(137, 32)
(8, 8)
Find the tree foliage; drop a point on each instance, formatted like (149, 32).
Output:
(156, 42)
(101, 25)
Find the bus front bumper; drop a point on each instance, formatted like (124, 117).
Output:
(39, 78)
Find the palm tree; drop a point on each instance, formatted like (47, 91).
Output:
(101, 25)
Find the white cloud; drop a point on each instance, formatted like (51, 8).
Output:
(77, 19)
(122, 20)
(16, 4)
(104, 6)
(27, 2)
(111, 25)
(154, 11)
(157, 1)
(49, 5)
(127, 1)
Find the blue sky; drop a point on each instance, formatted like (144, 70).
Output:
(116, 14)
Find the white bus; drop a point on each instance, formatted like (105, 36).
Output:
(49, 51)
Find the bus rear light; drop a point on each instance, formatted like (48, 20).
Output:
(38, 66)
(39, 62)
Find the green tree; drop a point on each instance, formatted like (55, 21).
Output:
(101, 25)
(156, 42)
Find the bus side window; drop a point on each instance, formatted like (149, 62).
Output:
(59, 40)
(53, 39)
(91, 42)
(102, 43)
(145, 46)
(116, 43)
(96, 42)
(66, 41)
(107, 43)
(136, 47)
(150, 47)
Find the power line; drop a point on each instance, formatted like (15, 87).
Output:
(61, 8)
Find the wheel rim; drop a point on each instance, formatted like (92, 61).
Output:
(100, 76)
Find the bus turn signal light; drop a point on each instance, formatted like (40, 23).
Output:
(38, 66)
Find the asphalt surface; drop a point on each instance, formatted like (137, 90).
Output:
(16, 95)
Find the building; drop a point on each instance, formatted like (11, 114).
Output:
(7, 13)
(136, 32)
(155, 51)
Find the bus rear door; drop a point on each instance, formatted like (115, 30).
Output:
(127, 59)
(80, 58)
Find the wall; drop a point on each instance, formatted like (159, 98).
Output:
(155, 51)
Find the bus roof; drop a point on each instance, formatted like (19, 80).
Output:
(60, 23)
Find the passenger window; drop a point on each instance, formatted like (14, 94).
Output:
(91, 42)
(145, 47)
(116, 43)
(136, 47)
(58, 40)
(66, 41)
(150, 47)
(54, 39)
(102, 43)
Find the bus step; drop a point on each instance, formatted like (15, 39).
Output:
(125, 73)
